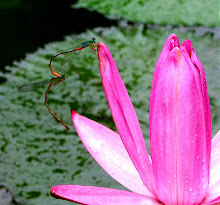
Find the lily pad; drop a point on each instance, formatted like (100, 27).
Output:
(176, 12)
(36, 151)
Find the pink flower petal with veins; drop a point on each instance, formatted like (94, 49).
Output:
(180, 133)
(179, 123)
(100, 196)
(107, 149)
(124, 115)
(214, 185)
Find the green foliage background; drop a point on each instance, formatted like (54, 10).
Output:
(36, 151)
(162, 12)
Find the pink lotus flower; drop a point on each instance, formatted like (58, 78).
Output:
(179, 169)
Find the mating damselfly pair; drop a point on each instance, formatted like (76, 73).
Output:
(58, 77)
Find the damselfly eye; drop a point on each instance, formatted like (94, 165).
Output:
(93, 40)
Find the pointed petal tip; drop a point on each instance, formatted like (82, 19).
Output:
(100, 46)
(53, 192)
(75, 118)
(173, 40)
(172, 35)
(105, 59)
(187, 44)
(99, 195)
(73, 113)
(64, 192)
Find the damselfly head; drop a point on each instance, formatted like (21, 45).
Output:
(62, 76)
(92, 40)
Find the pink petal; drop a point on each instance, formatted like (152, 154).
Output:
(171, 42)
(213, 195)
(180, 136)
(216, 202)
(214, 189)
(108, 150)
(215, 160)
(97, 195)
(207, 115)
(124, 115)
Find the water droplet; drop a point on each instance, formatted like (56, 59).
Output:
(190, 189)
(198, 156)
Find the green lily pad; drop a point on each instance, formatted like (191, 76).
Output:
(176, 12)
(36, 151)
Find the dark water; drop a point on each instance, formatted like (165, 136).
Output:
(29, 24)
